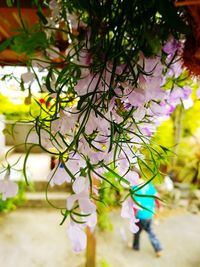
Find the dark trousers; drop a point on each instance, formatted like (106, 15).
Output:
(147, 226)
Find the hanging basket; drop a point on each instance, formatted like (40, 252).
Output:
(191, 53)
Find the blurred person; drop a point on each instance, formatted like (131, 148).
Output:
(145, 197)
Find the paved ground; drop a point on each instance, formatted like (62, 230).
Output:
(33, 238)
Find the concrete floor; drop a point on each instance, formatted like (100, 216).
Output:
(33, 238)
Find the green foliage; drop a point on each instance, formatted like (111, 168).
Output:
(12, 203)
(9, 2)
(169, 14)
(109, 198)
(187, 164)
(104, 263)
(184, 79)
(164, 134)
(191, 119)
(104, 220)
(161, 18)
(29, 42)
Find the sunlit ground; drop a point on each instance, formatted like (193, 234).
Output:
(32, 237)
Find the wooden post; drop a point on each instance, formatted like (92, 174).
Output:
(91, 248)
(178, 117)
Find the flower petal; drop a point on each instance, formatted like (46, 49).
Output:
(86, 206)
(8, 189)
(78, 238)
(133, 226)
(79, 185)
(70, 201)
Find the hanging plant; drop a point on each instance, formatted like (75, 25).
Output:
(114, 71)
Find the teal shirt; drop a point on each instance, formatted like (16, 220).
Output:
(147, 202)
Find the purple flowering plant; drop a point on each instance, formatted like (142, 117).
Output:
(113, 72)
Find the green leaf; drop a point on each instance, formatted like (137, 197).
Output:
(5, 44)
(41, 15)
(171, 17)
(169, 84)
(29, 42)
(9, 3)
(25, 162)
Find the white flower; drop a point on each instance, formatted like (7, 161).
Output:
(58, 176)
(27, 77)
(81, 189)
(81, 184)
(8, 188)
(77, 236)
(128, 212)
(132, 177)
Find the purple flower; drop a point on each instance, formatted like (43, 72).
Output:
(171, 46)
(137, 97)
(132, 177)
(127, 211)
(187, 91)
(77, 236)
(58, 176)
(81, 189)
(198, 93)
(8, 188)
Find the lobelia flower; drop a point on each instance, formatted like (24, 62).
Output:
(86, 84)
(77, 236)
(188, 103)
(95, 155)
(127, 208)
(170, 47)
(152, 86)
(54, 7)
(176, 95)
(175, 69)
(8, 188)
(127, 156)
(132, 177)
(187, 91)
(158, 109)
(139, 114)
(152, 66)
(198, 93)
(147, 129)
(28, 77)
(75, 162)
(65, 124)
(81, 189)
(127, 212)
(123, 164)
(75, 231)
(91, 220)
(137, 97)
(58, 175)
